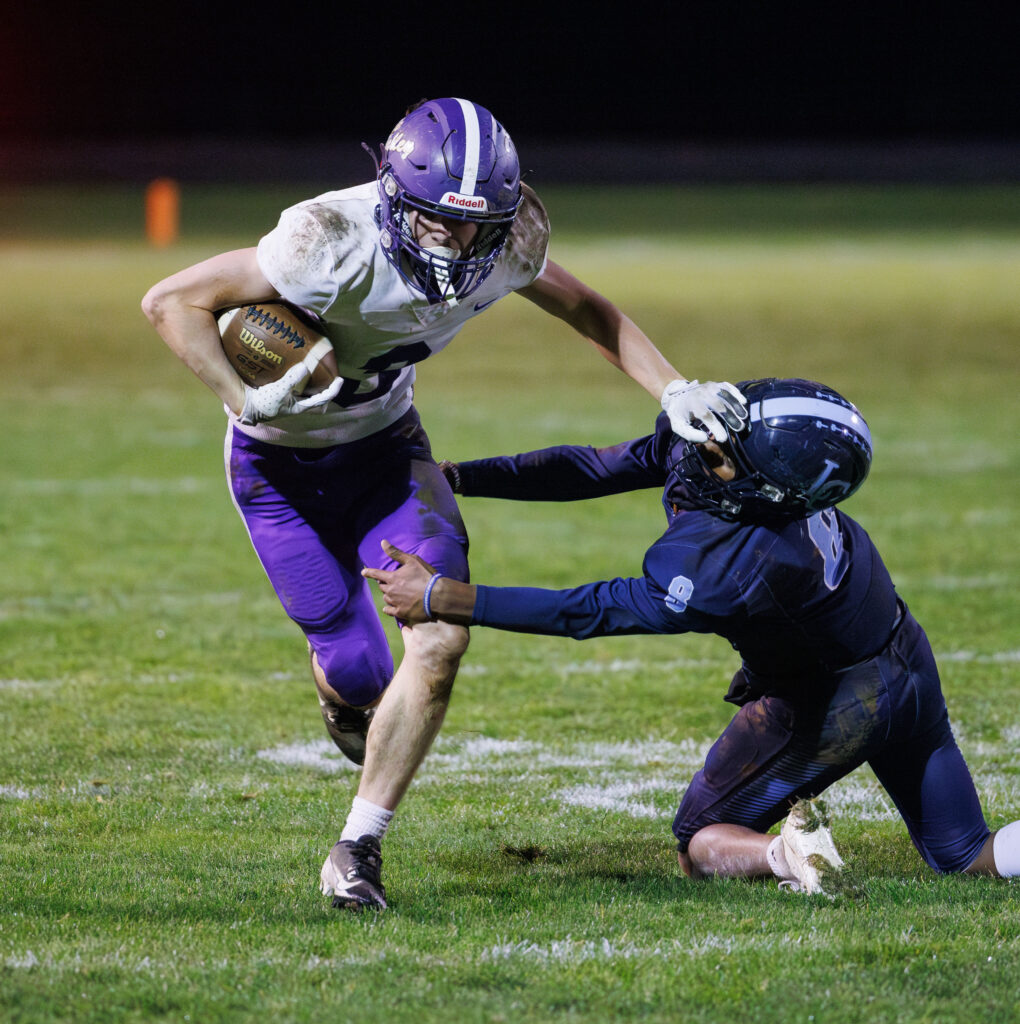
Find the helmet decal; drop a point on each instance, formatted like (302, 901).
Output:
(465, 202)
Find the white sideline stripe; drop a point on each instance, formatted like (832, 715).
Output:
(642, 779)
(572, 951)
(18, 793)
(118, 485)
(567, 950)
(638, 779)
(998, 658)
(472, 147)
(320, 754)
(909, 581)
(599, 668)
(29, 684)
(968, 582)
(620, 796)
(771, 407)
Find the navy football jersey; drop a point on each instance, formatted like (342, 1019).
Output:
(793, 598)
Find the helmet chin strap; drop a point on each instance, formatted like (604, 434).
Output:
(440, 271)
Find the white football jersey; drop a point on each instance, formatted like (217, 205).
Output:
(324, 255)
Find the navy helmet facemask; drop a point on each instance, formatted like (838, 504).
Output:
(804, 448)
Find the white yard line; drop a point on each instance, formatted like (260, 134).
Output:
(118, 485)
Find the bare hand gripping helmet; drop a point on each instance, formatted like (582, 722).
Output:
(451, 157)
(804, 448)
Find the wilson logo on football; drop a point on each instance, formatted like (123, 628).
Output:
(258, 345)
(462, 202)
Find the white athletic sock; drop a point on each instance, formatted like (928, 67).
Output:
(1006, 850)
(777, 859)
(366, 819)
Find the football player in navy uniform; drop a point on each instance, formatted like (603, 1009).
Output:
(834, 669)
(390, 270)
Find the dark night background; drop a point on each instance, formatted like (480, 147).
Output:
(220, 90)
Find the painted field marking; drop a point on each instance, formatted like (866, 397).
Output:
(118, 485)
(636, 779)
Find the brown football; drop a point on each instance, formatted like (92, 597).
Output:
(263, 340)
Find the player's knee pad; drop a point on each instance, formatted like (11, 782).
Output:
(355, 673)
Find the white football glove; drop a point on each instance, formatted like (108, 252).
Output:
(278, 398)
(716, 405)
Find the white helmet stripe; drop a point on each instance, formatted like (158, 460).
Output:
(816, 407)
(472, 144)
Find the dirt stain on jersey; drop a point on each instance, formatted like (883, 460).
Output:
(322, 238)
(337, 228)
(529, 236)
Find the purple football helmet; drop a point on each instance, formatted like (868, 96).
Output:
(451, 157)
(805, 448)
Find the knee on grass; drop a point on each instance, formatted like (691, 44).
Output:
(1000, 854)
(702, 858)
(723, 850)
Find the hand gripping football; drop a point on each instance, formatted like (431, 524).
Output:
(263, 340)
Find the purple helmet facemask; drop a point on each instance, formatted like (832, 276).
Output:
(448, 157)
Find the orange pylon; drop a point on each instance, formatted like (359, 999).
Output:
(162, 211)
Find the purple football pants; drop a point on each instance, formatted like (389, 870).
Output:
(316, 516)
(889, 712)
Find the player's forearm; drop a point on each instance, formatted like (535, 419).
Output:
(452, 601)
(592, 315)
(519, 609)
(415, 593)
(192, 335)
(579, 612)
(628, 348)
(561, 473)
(182, 306)
(623, 344)
(607, 608)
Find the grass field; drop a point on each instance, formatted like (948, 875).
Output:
(168, 793)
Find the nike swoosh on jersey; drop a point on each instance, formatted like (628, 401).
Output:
(484, 305)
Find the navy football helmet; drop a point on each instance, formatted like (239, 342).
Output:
(449, 157)
(804, 448)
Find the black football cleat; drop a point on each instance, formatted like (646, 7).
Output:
(351, 875)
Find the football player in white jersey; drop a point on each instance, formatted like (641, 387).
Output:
(391, 269)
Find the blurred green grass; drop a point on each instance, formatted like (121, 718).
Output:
(919, 329)
(146, 661)
(116, 211)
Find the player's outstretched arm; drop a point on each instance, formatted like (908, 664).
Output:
(718, 406)
(416, 593)
(182, 309)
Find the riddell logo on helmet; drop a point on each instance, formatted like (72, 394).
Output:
(479, 203)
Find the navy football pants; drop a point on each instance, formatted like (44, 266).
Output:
(888, 712)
